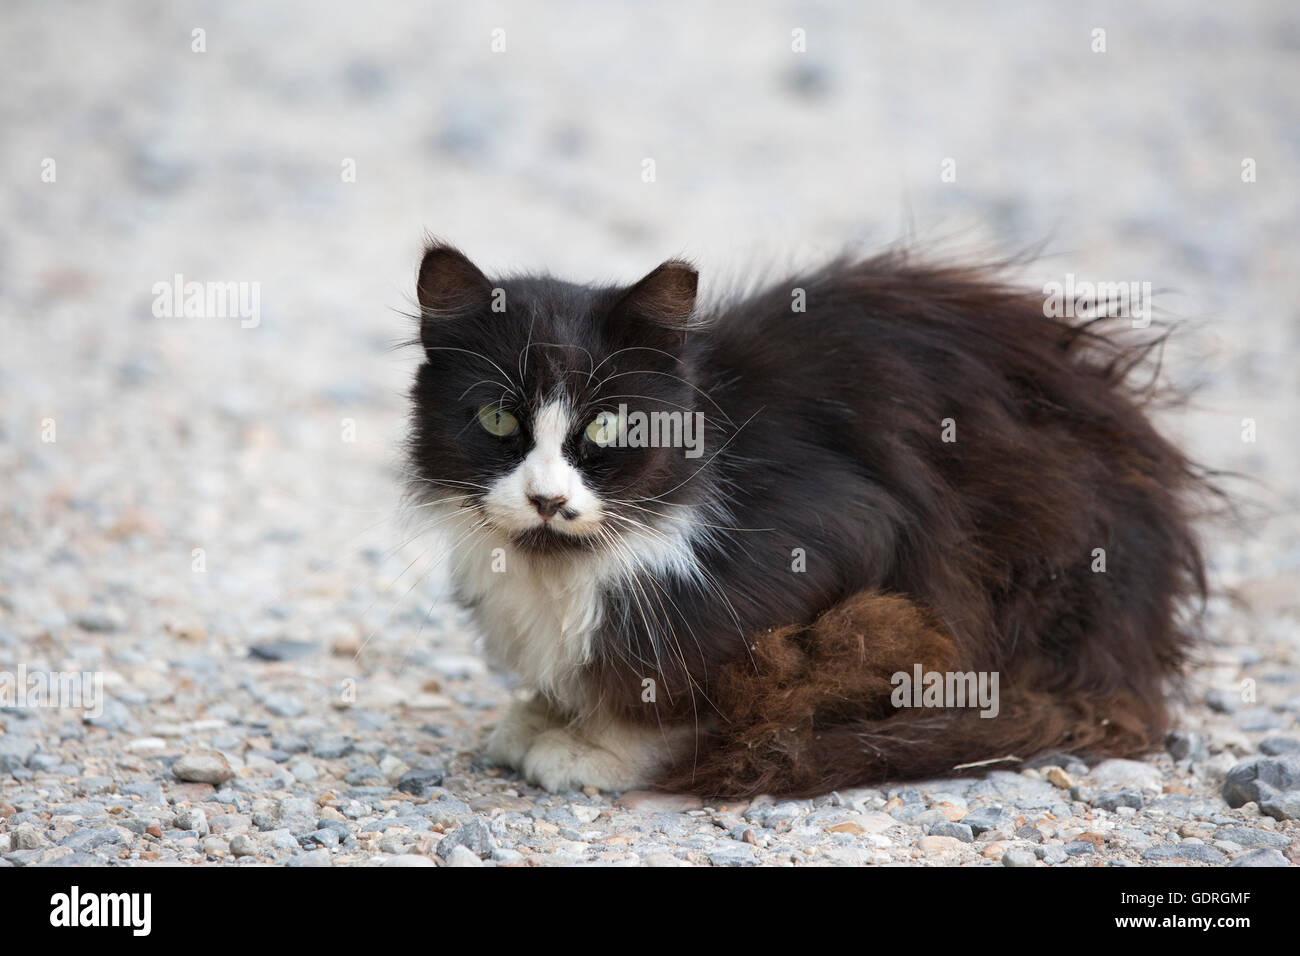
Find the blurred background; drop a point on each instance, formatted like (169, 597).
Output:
(174, 489)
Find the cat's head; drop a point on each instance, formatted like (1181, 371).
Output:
(527, 404)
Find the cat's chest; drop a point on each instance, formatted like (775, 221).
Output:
(538, 620)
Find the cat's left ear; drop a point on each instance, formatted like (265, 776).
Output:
(660, 304)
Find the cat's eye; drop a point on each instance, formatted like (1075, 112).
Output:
(497, 421)
(604, 429)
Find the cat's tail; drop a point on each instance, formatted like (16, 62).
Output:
(823, 707)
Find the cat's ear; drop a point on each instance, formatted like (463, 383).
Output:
(449, 285)
(660, 304)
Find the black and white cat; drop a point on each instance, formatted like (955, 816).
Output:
(707, 542)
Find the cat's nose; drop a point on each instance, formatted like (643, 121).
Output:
(548, 506)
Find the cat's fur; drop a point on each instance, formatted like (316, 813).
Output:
(730, 624)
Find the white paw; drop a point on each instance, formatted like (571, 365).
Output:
(559, 760)
(510, 739)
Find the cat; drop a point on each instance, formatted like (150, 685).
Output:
(895, 470)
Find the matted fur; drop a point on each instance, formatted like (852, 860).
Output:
(810, 711)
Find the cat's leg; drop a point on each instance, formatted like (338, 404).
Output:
(518, 729)
(606, 754)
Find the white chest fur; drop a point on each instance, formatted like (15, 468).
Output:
(537, 619)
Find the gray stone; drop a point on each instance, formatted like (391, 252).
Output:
(474, 835)
(929, 818)
(274, 756)
(906, 794)
(1017, 857)
(1277, 746)
(25, 857)
(203, 766)
(958, 831)
(339, 829)
(1244, 780)
(1279, 805)
(289, 743)
(283, 650)
(15, 751)
(1119, 774)
(88, 838)
(193, 818)
(115, 716)
(27, 837)
(332, 748)
(987, 818)
(44, 763)
(1015, 789)
(733, 853)
(242, 845)
(282, 840)
(283, 705)
(1247, 836)
(421, 782)
(1115, 799)
(101, 620)
(1223, 701)
(459, 855)
(913, 813)
(326, 838)
(1052, 854)
(1192, 852)
(1267, 856)
(150, 794)
(1080, 848)
(787, 811)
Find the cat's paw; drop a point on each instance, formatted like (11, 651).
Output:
(560, 760)
(510, 739)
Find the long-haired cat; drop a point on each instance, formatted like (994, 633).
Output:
(768, 547)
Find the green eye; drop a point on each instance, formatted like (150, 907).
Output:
(497, 421)
(604, 429)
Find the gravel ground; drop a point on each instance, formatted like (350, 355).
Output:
(201, 514)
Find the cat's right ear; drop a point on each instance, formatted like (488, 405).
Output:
(449, 285)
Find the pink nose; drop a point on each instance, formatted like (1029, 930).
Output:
(546, 506)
